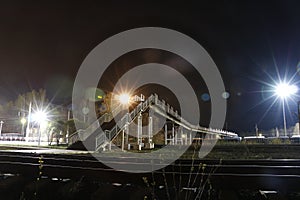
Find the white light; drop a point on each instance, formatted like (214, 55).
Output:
(284, 90)
(39, 117)
(124, 98)
(225, 95)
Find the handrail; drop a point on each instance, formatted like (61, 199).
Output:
(107, 117)
(129, 117)
(103, 138)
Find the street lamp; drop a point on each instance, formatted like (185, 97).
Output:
(1, 125)
(23, 121)
(40, 117)
(283, 91)
(124, 98)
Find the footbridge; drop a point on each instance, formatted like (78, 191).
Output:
(178, 132)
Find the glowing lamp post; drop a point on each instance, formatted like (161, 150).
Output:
(40, 117)
(124, 99)
(23, 121)
(283, 91)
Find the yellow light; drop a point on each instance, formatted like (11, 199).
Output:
(23, 120)
(99, 97)
(124, 98)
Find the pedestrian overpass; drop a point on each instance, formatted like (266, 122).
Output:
(179, 133)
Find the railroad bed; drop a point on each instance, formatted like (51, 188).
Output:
(274, 174)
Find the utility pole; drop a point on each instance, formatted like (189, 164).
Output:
(1, 124)
(28, 122)
(299, 116)
(256, 130)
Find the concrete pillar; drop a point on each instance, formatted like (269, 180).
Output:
(166, 134)
(123, 140)
(173, 134)
(150, 130)
(127, 132)
(191, 138)
(109, 146)
(181, 135)
(176, 136)
(140, 129)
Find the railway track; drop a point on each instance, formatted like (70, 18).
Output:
(278, 174)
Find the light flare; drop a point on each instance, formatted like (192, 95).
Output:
(285, 90)
(124, 98)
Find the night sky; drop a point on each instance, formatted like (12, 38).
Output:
(43, 45)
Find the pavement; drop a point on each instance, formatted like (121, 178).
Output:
(33, 147)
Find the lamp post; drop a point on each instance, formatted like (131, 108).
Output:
(283, 91)
(284, 118)
(40, 117)
(1, 124)
(298, 117)
(23, 121)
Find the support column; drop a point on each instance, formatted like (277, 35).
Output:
(191, 137)
(126, 128)
(173, 134)
(150, 130)
(181, 135)
(123, 140)
(109, 146)
(140, 129)
(166, 134)
(176, 136)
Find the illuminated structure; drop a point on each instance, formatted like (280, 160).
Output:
(283, 91)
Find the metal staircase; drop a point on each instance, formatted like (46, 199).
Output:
(84, 134)
(160, 107)
(104, 138)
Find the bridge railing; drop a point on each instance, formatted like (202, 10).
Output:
(107, 117)
(169, 109)
(108, 135)
(103, 138)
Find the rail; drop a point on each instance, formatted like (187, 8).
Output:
(228, 174)
(103, 138)
(83, 134)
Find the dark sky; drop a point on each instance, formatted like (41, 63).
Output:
(42, 45)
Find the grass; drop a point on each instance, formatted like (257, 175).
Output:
(223, 150)
(255, 151)
(230, 151)
(19, 146)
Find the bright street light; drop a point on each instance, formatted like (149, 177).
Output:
(285, 90)
(40, 117)
(124, 98)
